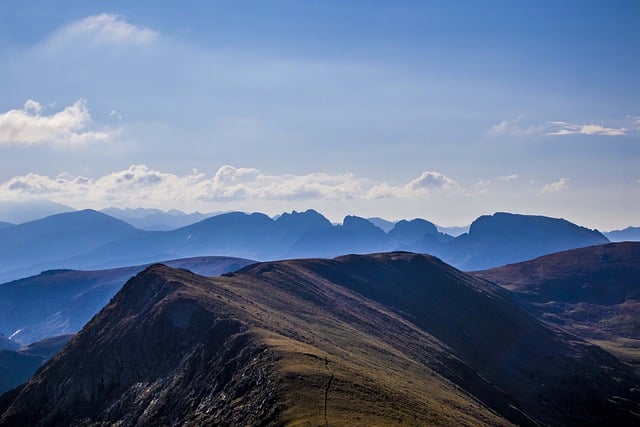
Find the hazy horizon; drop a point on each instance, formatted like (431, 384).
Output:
(389, 109)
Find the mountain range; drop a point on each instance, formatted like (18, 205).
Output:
(381, 339)
(92, 240)
(156, 219)
(17, 212)
(629, 234)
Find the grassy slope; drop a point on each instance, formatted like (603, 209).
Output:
(380, 363)
(312, 339)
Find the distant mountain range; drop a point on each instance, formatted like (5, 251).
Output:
(383, 339)
(156, 219)
(17, 212)
(629, 234)
(92, 240)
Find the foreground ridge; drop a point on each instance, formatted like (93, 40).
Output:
(359, 340)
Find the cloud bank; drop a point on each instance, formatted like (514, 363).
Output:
(29, 126)
(139, 185)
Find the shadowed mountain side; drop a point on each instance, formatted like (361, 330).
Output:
(242, 351)
(382, 223)
(593, 292)
(62, 301)
(361, 340)
(5, 225)
(356, 235)
(17, 366)
(549, 373)
(505, 238)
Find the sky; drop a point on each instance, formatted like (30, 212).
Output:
(397, 109)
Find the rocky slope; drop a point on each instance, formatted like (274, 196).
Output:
(360, 340)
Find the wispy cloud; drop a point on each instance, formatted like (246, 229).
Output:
(105, 28)
(520, 128)
(555, 187)
(508, 177)
(516, 127)
(29, 126)
(141, 185)
(564, 128)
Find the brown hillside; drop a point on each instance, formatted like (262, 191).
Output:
(361, 340)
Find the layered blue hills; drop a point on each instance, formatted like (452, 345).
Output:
(89, 239)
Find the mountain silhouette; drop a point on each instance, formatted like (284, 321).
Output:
(355, 235)
(92, 240)
(18, 212)
(505, 238)
(629, 234)
(56, 238)
(155, 219)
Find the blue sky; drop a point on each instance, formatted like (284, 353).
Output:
(441, 110)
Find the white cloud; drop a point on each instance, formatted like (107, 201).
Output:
(508, 177)
(431, 181)
(518, 128)
(515, 127)
(139, 185)
(564, 128)
(555, 187)
(29, 126)
(428, 182)
(105, 28)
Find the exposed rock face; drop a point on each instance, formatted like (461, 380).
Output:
(150, 359)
